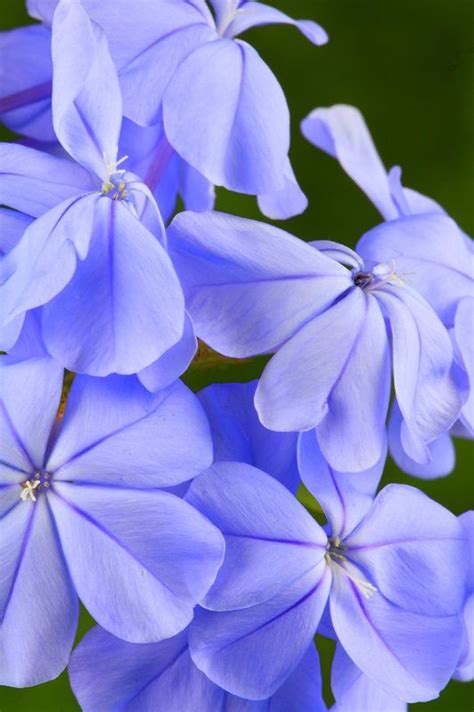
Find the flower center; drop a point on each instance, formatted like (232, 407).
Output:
(114, 186)
(380, 275)
(336, 558)
(31, 488)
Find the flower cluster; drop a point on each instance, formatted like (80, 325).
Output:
(175, 518)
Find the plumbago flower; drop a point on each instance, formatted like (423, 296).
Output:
(223, 109)
(391, 569)
(95, 258)
(332, 319)
(237, 433)
(107, 673)
(440, 263)
(82, 514)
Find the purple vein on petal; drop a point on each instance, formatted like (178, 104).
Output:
(26, 97)
(21, 556)
(15, 433)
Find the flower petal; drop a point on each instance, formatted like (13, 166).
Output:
(238, 434)
(238, 114)
(34, 182)
(124, 308)
(87, 103)
(441, 452)
(352, 435)
(413, 551)
(429, 253)
(411, 656)
(294, 389)
(422, 359)
(154, 555)
(344, 496)
(246, 301)
(38, 605)
(30, 392)
(254, 14)
(25, 81)
(285, 203)
(115, 432)
(463, 328)
(251, 652)
(267, 548)
(355, 692)
(169, 367)
(45, 259)
(341, 132)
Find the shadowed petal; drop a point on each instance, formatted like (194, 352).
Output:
(154, 555)
(463, 330)
(25, 81)
(267, 547)
(238, 434)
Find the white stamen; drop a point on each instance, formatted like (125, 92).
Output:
(28, 490)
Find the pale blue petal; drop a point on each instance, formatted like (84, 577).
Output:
(87, 103)
(463, 334)
(173, 363)
(115, 432)
(238, 114)
(124, 308)
(38, 605)
(344, 496)
(422, 359)
(253, 14)
(413, 551)
(341, 132)
(235, 270)
(251, 652)
(441, 452)
(153, 554)
(285, 203)
(355, 692)
(33, 182)
(294, 389)
(30, 392)
(411, 656)
(267, 548)
(352, 435)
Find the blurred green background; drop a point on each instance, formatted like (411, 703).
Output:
(409, 66)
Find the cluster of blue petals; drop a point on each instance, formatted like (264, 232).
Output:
(173, 517)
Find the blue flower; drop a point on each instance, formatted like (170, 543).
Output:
(237, 433)
(465, 668)
(95, 258)
(332, 319)
(107, 673)
(391, 569)
(438, 262)
(223, 110)
(82, 514)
